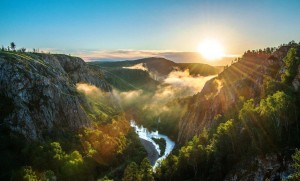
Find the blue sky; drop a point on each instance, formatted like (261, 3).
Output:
(84, 25)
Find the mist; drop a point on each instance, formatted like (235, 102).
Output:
(180, 84)
(166, 102)
(89, 90)
(163, 108)
(139, 66)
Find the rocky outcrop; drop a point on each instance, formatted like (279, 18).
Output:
(222, 94)
(40, 91)
(272, 167)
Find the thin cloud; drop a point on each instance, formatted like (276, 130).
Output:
(176, 56)
(128, 54)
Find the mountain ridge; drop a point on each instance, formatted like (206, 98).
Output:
(162, 65)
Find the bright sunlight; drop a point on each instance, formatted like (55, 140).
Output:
(211, 49)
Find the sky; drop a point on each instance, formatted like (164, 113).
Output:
(104, 28)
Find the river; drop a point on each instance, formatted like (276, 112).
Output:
(144, 134)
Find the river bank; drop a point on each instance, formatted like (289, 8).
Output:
(153, 154)
(152, 148)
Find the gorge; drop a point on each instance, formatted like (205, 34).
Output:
(67, 119)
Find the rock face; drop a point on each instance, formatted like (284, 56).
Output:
(38, 92)
(222, 94)
(272, 166)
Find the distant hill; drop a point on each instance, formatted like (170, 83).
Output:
(147, 72)
(163, 66)
(129, 79)
(200, 69)
(160, 65)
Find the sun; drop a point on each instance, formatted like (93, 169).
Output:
(211, 49)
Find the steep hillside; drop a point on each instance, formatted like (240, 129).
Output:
(127, 79)
(243, 79)
(38, 92)
(60, 121)
(244, 124)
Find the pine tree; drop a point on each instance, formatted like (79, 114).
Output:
(131, 173)
(13, 46)
(146, 170)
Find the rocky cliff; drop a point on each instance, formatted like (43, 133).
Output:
(271, 166)
(222, 94)
(38, 92)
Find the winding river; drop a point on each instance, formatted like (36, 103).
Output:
(143, 133)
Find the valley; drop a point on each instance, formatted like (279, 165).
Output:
(136, 90)
(188, 123)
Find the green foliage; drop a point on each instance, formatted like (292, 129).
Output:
(296, 159)
(162, 145)
(222, 149)
(49, 175)
(292, 61)
(248, 110)
(296, 165)
(270, 86)
(73, 164)
(267, 50)
(146, 170)
(262, 126)
(65, 165)
(105, 142)
(105, 179)
(168, 168)
(29, 175)
(223, 136)
(267, 124)
(131, 173)
(192, 154)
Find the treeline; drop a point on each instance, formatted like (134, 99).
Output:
(13, 47)
(268, 50)
(260, 52)
(141, 172)
(265, 124)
